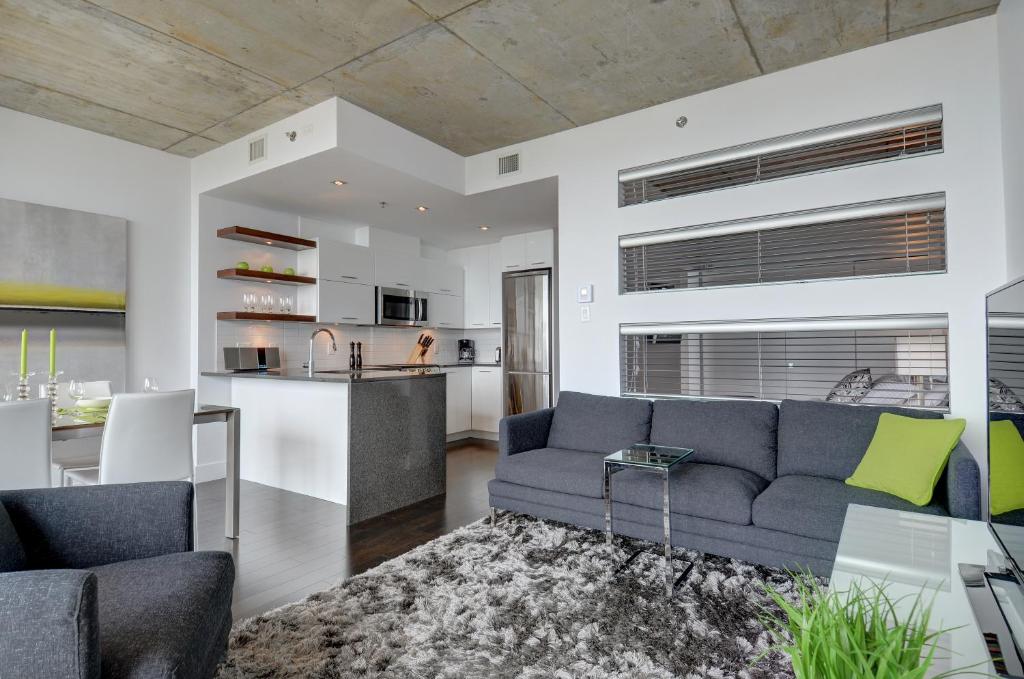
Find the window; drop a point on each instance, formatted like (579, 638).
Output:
(878, 360)
(887, 137)
(1005, 360)
(886, 237)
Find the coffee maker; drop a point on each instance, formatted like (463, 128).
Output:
(467, 352)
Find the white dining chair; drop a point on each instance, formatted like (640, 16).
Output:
(25, 444)
(147, 437)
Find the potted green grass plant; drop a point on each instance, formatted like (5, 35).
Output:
(852, 634)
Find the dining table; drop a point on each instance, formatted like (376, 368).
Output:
(69, 426)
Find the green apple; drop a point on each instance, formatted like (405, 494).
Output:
(242, 265)
(289, 271)
(266, 268)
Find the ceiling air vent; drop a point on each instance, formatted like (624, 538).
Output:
(508, 164)
(871, 140)
(257, 149)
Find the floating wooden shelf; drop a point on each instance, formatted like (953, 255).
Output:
(265, 277)
(257, 316)
(276, 240)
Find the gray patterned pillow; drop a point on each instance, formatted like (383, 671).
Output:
(1002, 399)
(852, 388)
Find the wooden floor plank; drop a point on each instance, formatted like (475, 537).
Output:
(292, 545)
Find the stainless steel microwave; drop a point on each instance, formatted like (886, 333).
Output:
(396, 306)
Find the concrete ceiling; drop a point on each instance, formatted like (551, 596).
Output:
(452, 220)
(189, 75)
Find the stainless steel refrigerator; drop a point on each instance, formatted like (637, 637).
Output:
(526, 345)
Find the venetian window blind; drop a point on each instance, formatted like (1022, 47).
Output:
(879, 360)
(886, 137)
(886, 237)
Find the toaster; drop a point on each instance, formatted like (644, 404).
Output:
(239, 359)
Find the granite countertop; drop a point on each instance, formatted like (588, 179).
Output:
(343, 377)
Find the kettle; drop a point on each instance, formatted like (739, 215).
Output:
(497, 355)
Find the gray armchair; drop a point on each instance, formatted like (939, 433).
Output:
(100, 581)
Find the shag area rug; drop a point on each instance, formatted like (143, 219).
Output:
(526, 599)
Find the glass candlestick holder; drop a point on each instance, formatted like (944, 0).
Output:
(24, 391)
(51, 392)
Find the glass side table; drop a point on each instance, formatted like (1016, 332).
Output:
(645, 457)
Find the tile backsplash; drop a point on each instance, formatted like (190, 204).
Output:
(380, 344)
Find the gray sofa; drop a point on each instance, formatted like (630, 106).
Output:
(100, 581)
(765, 485)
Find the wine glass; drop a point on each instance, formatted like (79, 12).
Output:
(150, 385)
(7, 393)
(76, 390)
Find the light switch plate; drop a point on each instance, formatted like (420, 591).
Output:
(585, 313)
(585, 293)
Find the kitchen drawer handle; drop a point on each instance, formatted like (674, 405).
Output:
(351, 278)
(478, 324)
(536, 263)
(350, 318)
(511, 266)
(445, 289)
(402, 285)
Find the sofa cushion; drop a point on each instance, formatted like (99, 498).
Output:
(815, 507)
(829, 439)
(12, 553)
(734, 433)
(563, 471)
(600, 424)
(709, 491)
(166, 615)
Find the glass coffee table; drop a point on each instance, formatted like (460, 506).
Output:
(658, 459)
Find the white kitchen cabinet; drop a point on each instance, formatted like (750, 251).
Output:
(540, 249)
(445, 311)
(440, 277)
(494, 285)
(339, 261)
(339, 302)
(534, 250)
(477, 298)
(486, 398)
(458, 400)
(392, 270)
(513, 252)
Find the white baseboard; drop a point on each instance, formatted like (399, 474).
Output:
(473, 434)
(211, 471)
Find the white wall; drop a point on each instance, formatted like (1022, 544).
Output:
(53, 164)
(1011, 77)
(955, 67)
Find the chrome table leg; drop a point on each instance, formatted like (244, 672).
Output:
(607, 505)
(667, 519)
(494, 517)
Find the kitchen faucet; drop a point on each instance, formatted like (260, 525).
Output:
(334, 346)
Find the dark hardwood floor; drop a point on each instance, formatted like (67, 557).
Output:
(291, 545)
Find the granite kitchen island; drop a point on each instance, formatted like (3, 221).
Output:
(372, 440)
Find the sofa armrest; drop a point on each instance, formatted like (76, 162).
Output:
(528, 431)
(49, 624)
(88, 526)
(963, 484)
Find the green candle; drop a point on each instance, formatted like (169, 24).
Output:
(23, 372)
(53, 351)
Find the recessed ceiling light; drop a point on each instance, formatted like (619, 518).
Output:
(422, 208)
(484, 227)
(339, 182)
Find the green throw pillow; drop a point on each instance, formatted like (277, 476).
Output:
(1006, 467)
(906, 456)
